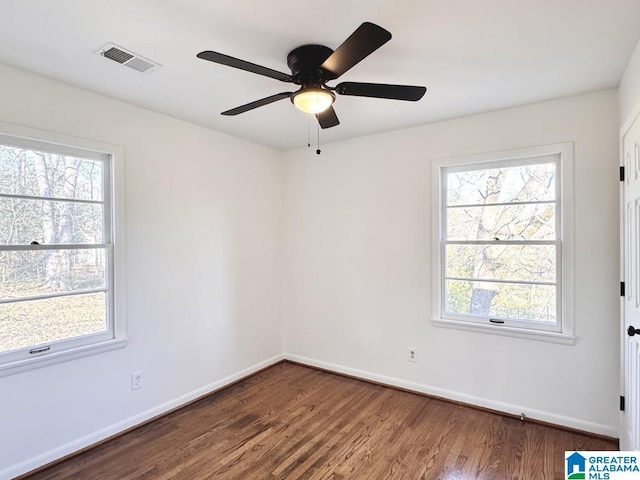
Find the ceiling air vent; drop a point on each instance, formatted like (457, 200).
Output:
(127, 58)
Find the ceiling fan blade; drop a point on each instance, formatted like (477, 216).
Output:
(367, 38)
(381, 90)
(257, 103)
(243, 65)
(328, 118)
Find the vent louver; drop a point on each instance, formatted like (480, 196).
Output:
(127, 58)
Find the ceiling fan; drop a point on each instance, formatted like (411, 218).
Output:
(312, 66)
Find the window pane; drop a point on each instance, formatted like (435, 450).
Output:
(525, 183)
(501, 300)
(42, 174)
(526, 263)
(49, 222)
(506, 222)
(30, 323)
(41, 272)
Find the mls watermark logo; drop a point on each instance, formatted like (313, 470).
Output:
(575, 466)
(601, 465)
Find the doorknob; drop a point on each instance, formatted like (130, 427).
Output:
(631, 331)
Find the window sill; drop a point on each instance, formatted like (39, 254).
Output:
(32, 363)
(540, 335)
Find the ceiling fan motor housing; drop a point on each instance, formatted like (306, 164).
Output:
(305, 62)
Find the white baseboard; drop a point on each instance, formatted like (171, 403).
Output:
(534, 414)
(79, 444)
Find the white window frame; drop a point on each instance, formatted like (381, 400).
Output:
(563, 330)
(113, 184)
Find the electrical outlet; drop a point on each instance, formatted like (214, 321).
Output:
(136, 380)
(412, 354)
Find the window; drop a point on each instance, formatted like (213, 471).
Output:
(57, 266)
(503, 247)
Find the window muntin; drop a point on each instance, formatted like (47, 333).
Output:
(500, 247)
(56, 248)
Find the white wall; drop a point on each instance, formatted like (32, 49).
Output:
(358, 266)
(203, 224)
(629, 89)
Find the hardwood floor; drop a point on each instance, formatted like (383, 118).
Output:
(293, 422)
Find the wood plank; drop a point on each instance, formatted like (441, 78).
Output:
(294, 422)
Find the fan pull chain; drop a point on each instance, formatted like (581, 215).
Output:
(308, 131)
(318, 150)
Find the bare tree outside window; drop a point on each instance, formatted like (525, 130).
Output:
(53, 257)
(501, 241)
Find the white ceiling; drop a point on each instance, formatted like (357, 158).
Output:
(473, 56)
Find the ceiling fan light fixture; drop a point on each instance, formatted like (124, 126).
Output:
(313, 99)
